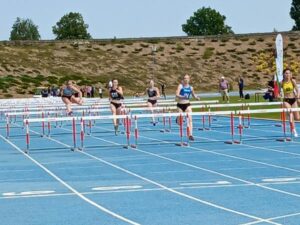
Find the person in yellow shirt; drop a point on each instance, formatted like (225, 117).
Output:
(290, 93)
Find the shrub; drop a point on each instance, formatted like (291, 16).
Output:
(241, 52)
(200, 44)
(153, 41)
(260, 39)
(292, 45)
(220, 53)
(160, 49)
(224, 40)
(208, 53)
(120, 46)
(294, 38)
(231, 50)
(170, 42)
(251, 49)
(244, 39)
(179, 47)
(143, 45)
(8, 96)
(20, 91)
(252, 43)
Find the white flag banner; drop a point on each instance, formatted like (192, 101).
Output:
(279, 69)
(279, 59)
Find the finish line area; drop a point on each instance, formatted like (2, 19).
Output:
(238, 170)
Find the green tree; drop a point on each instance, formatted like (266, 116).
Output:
(24, 29)
(71, 26)
(206, 21)
(295, 14)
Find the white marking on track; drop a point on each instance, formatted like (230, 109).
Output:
(111, 188)
(288, 179)
(222, 182)
(24, 193)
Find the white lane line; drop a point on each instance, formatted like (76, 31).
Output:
(112, 188)
(168, 188)
(28, 193)
(80, 195)
(200, 184)
(273, 218)
(287, 179)
(214, 172)
(177, 192)
(141, 190)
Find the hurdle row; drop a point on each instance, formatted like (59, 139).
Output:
(93, 112)
(199, 104)
(12, 117)
(57, 111)
(87, 101)
(127, 121)
(95, 106)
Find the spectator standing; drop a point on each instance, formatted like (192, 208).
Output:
(92, 91)
(163, 90)
(241, 87)
(223, 89)
(88, 90)
(45, 93)
(270, 93)
(100, 92)
(82, 91)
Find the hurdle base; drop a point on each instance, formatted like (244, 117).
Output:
(232, 142)
(278, 125)
(203, 129)
(74, 149)
(284, 139)
(183, 144)
(133, 146)
(126, 146)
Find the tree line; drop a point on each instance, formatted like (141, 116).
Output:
(205, 21)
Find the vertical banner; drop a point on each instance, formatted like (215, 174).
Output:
(279, 62)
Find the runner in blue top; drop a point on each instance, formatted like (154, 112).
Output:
(183, 94)
(67, 95)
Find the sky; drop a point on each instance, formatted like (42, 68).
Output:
(145, 18)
